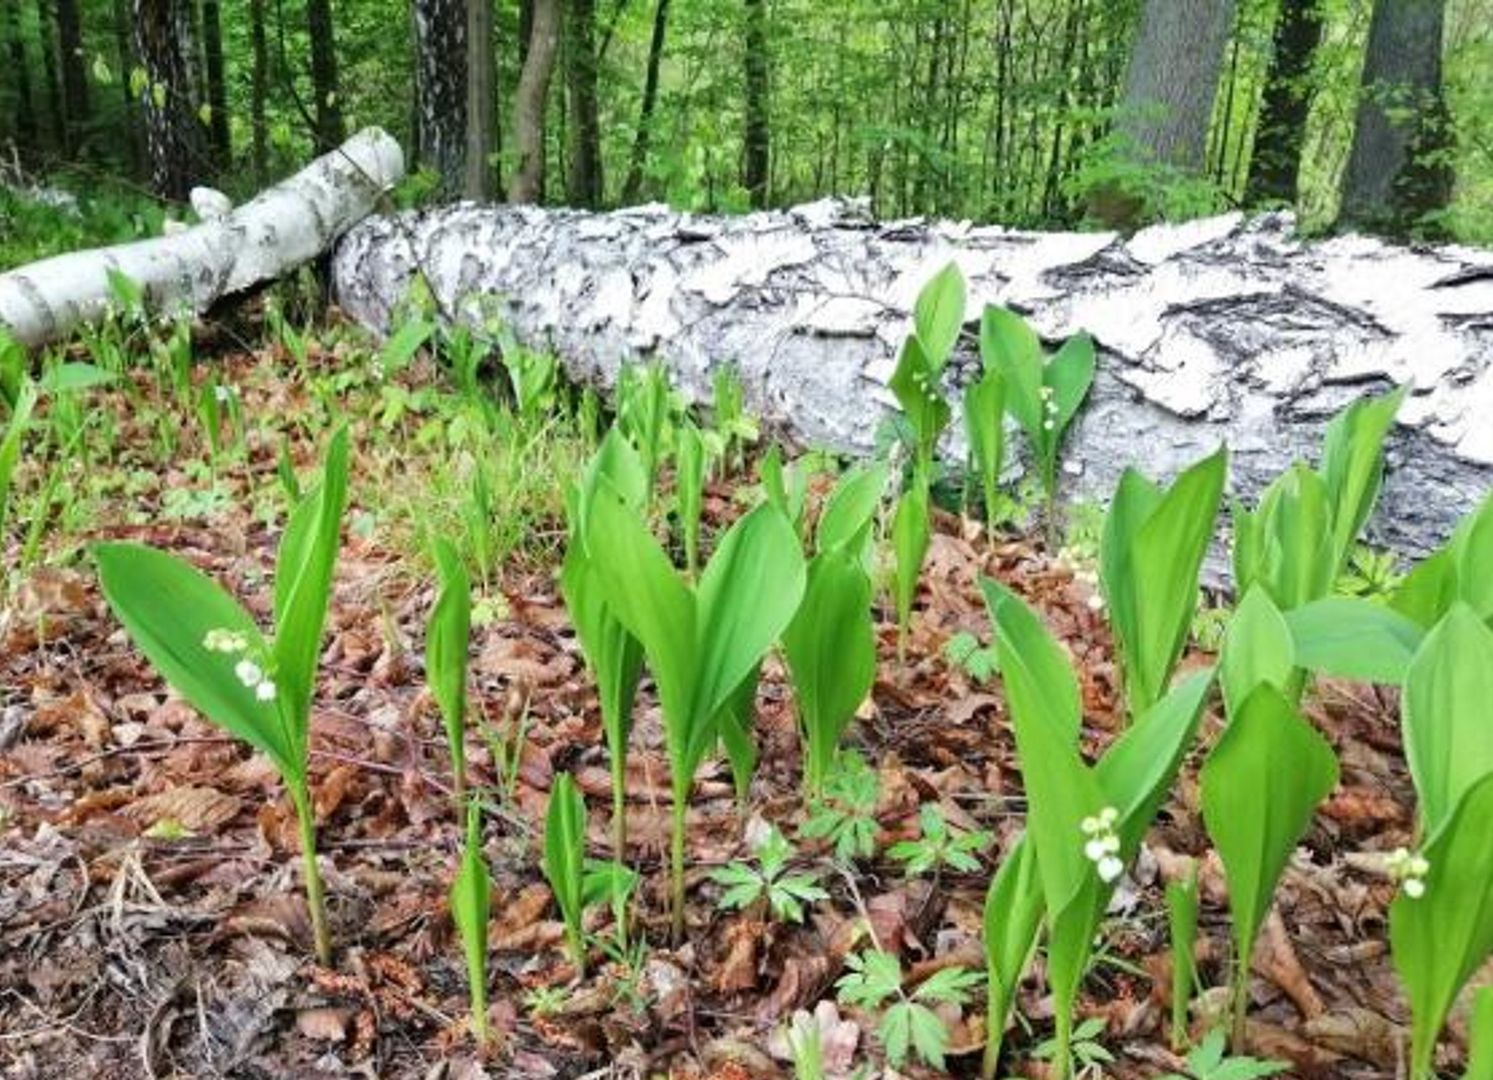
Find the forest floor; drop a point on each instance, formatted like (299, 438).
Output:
(151, 921)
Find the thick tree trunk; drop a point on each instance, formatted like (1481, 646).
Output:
(441, 89)
(586, 184)
(633, 186)
(259, 91)
(330, 127)
(1172, 79)
(481, 102)
(1214, 330)
(757, 138)
(217, 89)
(173, 134)
(282, 228)
(74, 74)
(1398, 169)
(527, 183)
(1275, 163)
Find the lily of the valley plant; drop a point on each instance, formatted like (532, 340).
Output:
(210, 650)
(446, 647)
(471, 906)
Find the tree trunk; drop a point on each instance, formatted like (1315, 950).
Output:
(1398, 170)
(586, 184)
(441, 89)
(1275, 164)
(47, 39)
(756, 139)
(527, 182)
(74, 74)
(330, 127)
(124, 49)
(172, 132)
(633, 187)
(1212, 330)
(217, 91)
(481, 101)
(284, 227)
(1172, 79)
(20, 71)
(259, 91)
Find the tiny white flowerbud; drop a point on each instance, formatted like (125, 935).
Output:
(1418, 866)
(1110, 868)
(1048, 425)
(1094, 850)
(248, 673)
(1109, 815)
(265, 691)
(1091, 826)
(1110, 844)
(1414, 888)
(224, 394)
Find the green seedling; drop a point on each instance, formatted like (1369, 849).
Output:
(1149, 560)
(689, 491)
(210, 650)
(1441, 924)
(939, 847)
(985, 430)
(1043, 394)
(1086, 1054)
(769, 884)
(964, 651)
(1208, 1061)
(1182, 921)
(471, 906)
(446, 647)
(702, 642)
(645, 414)
(731, 429)
(910, 539)
(845, 815)
(909, 1023)
(1084, 824)
(565, 862)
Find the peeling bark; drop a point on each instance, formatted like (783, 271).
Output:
(287, 225)
(1216, 330)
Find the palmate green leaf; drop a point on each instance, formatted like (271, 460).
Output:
(938, 314)
(1151, 555)
(1440, 939)
(1448, 688)
(168, 607)
(471, 905)
(1013, 916)
(1353, 465)
(1352, 638)
(303, 582)
(1257, 648)
(606, 881)
(565, 857)
(910, 539)
(446, 646)
(830, 647)
(850, 511)
(916, 385)
(1261, 785)
(984, 427)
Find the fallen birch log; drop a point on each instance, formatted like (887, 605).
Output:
(231, 250)
(1224, 329)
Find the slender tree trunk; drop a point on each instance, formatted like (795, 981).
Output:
(587, 182)
(259, 91)
(217, 91)
(634, 183)
(20, 72)
(1275, 165)
(441, 88)
(173, 135)
(1398, 170)
(74, 74)
(124, 47)
(481, 101)
(52, 84)
(1172, 79)
(529, 103)
(330, 128)
(757, 138)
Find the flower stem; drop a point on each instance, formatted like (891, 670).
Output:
(300, 795)
(1241, 1005)
(676, 860)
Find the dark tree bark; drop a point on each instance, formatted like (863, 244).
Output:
(527, 182)
(1398, 170)
(24, 112)
(1172, 79)
(586, 184)
(217, 91)
(124, 47)
(441, 88)
(74, 74)
(1275, 164)
(259, 91)
(330, 128)
(757, 138)
(51, 82)
(634, 183)
(172, 132)
(481, 101)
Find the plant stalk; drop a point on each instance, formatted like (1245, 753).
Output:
(300, 795)
(1239, 1035)
(676, 862)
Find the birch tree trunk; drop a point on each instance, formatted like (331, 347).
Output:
(441, 88)
(1215, 330)
(283, 227)
(173, 136)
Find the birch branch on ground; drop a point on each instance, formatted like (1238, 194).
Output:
(1223, 329)
(285, 226)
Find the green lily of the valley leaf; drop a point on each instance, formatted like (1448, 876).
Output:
(916, 385)
(471, 905)
(938, 314)
(985, 429)
(1353, 464)
(446, 647)
(1351, 638)
(1286, 544)
(1013, 915)
(1257, 648)
(565, 859)
(910, 538)
(850, 511)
